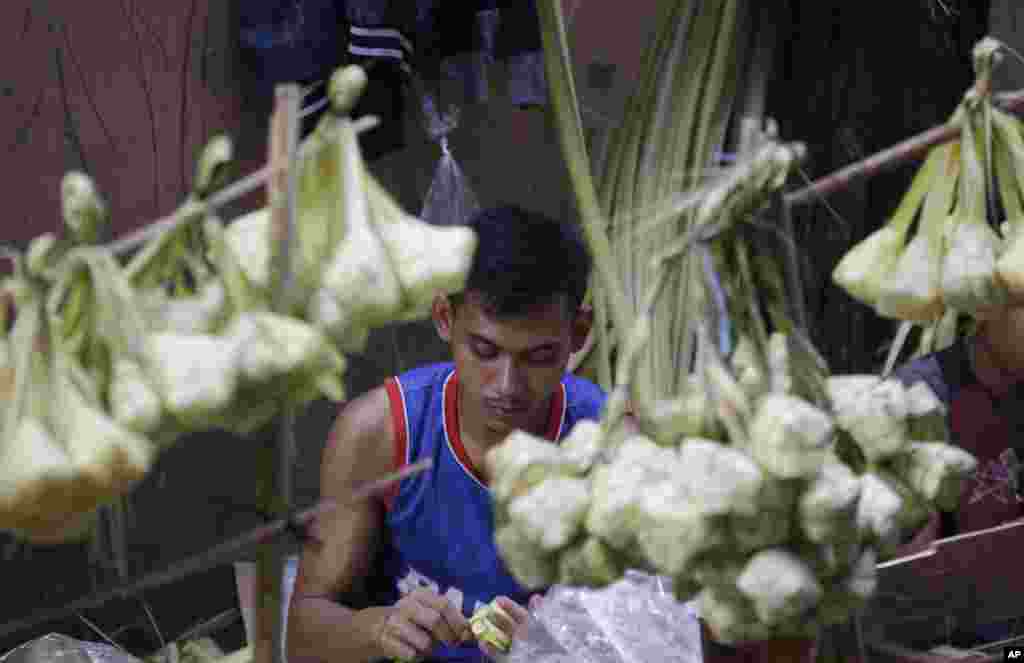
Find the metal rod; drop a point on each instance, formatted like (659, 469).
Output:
(912, 148)
(223, 553)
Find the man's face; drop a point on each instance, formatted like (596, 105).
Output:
(509, 366)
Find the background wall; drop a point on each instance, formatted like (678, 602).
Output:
(129, 91)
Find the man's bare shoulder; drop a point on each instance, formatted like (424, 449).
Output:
(361, 443)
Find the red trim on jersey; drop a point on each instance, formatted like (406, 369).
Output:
(556, 415)
(399, 428)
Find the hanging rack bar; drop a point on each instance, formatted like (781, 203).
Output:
(224, 553)
(912, 148)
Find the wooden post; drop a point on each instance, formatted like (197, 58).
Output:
(275, 463)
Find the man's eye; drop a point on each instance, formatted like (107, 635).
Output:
(484, 350)
(542, 357)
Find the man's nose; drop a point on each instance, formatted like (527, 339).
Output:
(511, 377)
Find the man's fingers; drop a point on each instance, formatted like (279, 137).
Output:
(513, 620)
(458, 622)
(491, 653)
(398, 648)
(453, 617)
(517, 612)
(507, 624)
(431, 620)
(411, 636)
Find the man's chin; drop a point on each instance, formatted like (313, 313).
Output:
(501, 426)
(504, 426)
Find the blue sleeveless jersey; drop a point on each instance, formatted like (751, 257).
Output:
(440, 523)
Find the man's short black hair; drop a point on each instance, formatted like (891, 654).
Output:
(524, 259)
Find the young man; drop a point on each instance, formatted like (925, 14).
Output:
(431, 542)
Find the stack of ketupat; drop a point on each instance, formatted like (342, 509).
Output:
(106, 365)
(776, 525)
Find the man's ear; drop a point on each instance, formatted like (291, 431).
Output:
(581, 327)
(443, 315)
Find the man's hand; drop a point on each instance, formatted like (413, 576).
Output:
(414, 625)
(510, 625)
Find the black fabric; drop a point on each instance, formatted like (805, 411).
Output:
(290, 40)
(385, 98)
(519, 31)
(440, 33)
(956, 367)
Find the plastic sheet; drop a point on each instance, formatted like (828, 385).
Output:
(635, 620)
(449, 200)
(56, 648)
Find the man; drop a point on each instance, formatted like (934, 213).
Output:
(981, 381)
(431, 541)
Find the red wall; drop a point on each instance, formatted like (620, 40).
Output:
(132, 88)
(129, 90)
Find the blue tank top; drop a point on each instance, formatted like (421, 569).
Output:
(440, 523)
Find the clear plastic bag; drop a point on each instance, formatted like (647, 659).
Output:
(635, 620)
(449, 200)
(57, 648)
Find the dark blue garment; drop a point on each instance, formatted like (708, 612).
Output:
(453, 43)
(291, 40)
(440, 522)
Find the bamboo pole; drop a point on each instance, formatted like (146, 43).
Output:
(275, 459)
(912, 148)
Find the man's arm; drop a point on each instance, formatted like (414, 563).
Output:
(337, 561)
